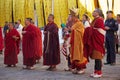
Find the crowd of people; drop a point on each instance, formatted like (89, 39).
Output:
(83, 39)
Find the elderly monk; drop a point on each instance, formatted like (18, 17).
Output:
(28, 44)
(77, 30)
(94, 42)
(12, 40)
(51, 53)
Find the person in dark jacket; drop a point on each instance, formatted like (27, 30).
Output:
(5, 28)
(111, 27)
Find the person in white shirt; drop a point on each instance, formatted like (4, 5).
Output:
(85, 20)
(19, 29)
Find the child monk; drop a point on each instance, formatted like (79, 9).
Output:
(12, 39)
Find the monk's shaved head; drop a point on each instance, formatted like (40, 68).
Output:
(11, 25)
(28, 21)
(51, 18)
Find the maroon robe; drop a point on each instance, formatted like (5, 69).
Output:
(51, 54)
(38, 44)
(1, 40)
(93, 39)
(28, 45)
(11, 47)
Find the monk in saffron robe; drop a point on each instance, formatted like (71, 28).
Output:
(1, 41)
(28, 44)
(51, 54)
(94, 42)
(12, 40)
(78, 60)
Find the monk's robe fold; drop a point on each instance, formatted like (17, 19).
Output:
(51, 53)
(28, 44)
(77, 58)
(1, 40)
(38, 44)
(94, 39)
(11, 47)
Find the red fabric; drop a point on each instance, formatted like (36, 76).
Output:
(94, 40)
(64, 51)
(98, 23)
(1, 40)
(78, 66)
(28, 44)
(38, 44)
(11, 47)
(72, 42)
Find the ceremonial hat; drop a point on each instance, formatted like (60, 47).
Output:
(74, 11)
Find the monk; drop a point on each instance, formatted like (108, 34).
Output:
(51, 53)
(28, 45)
(94, 42)
(1, 41)
(12, 40)
(38, 44)
(78, 61)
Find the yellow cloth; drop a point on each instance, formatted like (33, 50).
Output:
(77, 43)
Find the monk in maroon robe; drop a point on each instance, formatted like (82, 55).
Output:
(28, 44)
(51, 54)
(12, 40)
(38, 45)
(1, 41)
(94, 42)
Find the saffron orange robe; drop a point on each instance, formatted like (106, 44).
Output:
(77, 58)
(11, 47)
(28, 45)
(1, 40)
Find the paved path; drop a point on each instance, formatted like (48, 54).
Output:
(110, 72)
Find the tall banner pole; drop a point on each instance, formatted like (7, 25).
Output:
(52, 6)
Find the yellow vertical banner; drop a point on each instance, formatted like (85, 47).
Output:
(90, 5)
(5, 11)
(19, 10)
(29, 9)
(103, 6)
(47, 8)
(2, 12)
(71, 3)
(8, 10)
(110, 4)
(39, 10)
(63, 10)
(116, 7)
(96, 3)
(15, 10)
(57, 12)
(84, 9)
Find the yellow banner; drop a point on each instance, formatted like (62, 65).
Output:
(39, 10)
